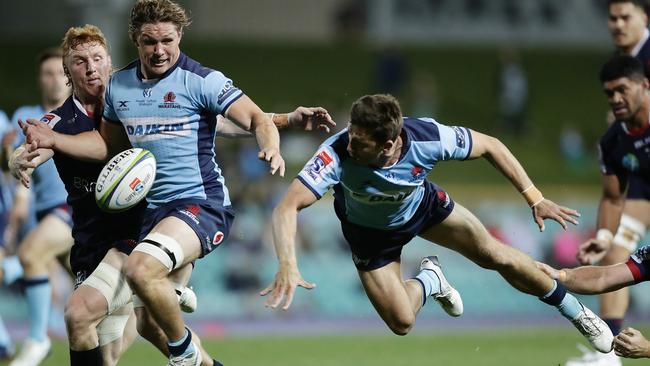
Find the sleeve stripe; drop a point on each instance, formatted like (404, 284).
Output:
(469, 141)
(636, 270)
(227, 105)
(303, 181)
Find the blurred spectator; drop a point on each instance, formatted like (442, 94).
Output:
(513, 92)
(391, 71)
(512, 12)
(572, 147)
(350, 19)
(565, 247)
(424, 95)
(475, 8)
(549, 12)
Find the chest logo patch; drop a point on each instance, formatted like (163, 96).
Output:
(631, 162)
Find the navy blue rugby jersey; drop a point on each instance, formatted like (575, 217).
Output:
(91, 224)
(625, 153)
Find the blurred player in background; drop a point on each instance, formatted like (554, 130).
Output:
(628, 26)
(377, 168)
(52, 236)
(591, 280)
(10, 268)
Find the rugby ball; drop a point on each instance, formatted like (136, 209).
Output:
(125, 180)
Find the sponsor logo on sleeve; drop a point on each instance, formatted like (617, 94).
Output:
(460, 137)
(50, 119)
(227, 90)
(318, 165)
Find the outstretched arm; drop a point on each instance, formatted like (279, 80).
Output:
(590, 280)
(284, 219)
(89, 146)
(500, 157)
(303, 118)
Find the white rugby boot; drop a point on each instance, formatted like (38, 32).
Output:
(594, 358)
(448, 298)
(594, 329)
(187, 300)
(32, 353)
(192, 359)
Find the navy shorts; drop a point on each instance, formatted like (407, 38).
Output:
(211, 223)
(374, 248)
(84, 259)
(638, 188)
(62, 211)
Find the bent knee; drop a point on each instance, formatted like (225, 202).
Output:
(401, 325)
(78, 316)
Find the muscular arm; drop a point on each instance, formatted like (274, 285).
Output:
(229, 129)
(249, 116)
(284, 222)
(88, 146)
(611, 204)
(591, 280)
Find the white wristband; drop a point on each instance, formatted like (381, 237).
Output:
(604, 235)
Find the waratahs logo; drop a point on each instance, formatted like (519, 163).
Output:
(631, 163)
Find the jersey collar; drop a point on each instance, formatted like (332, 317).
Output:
(138, 70)
(637, 48)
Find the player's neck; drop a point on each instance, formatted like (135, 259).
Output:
(49, 105)
(641, 119)
(88, 102)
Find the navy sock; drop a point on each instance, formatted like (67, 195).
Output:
(178, 347)
(216, 363)
(566, 303)
(614, 324)
(91, 357)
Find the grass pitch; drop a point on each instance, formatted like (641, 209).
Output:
(485, 348)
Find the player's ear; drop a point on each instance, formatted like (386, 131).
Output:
(646, 83)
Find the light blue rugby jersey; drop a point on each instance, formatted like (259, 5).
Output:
(7, 183)
(174, 117)
(47, 188)
(384, 198)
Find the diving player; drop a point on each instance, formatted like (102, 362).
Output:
(377, 168)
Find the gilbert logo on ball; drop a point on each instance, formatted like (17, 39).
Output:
(125, 180)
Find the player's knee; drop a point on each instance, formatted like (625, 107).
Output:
(136, 272)
(79, 318)
(27, 258)
(153, 258)
(401, 324)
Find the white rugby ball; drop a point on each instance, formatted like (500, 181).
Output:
(125, 180)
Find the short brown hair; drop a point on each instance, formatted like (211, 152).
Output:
(78, 35)
(48, 53)
(156, 11)
(379, 114)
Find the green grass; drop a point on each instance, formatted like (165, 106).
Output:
(485, 348)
